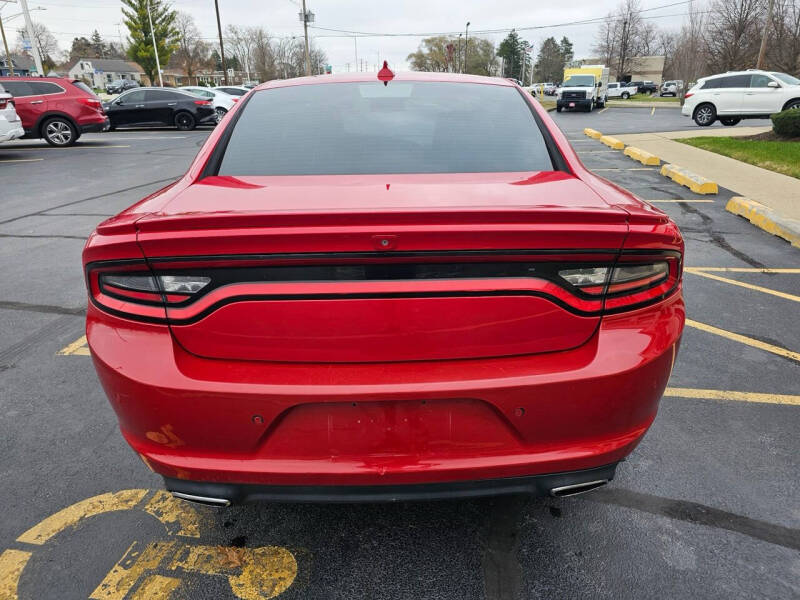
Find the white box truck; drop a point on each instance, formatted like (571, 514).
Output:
(584, 88)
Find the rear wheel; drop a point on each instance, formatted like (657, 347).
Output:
(730, 121)
(625, 95)
(792, 105)
(558, 109)
(185, 121)
(221, 112)
(59, 132)
(705, 115)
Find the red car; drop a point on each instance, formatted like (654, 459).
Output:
(381, 290)
(56, 109)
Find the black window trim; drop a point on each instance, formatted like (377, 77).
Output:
(22, 80)
(211, 168)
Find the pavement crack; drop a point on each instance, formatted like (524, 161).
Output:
(42, 308)
(43, 236)
(716, 238)
(502, 572)
(12, 354)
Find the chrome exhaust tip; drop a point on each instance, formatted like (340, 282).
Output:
(204, 500)
(577, 488)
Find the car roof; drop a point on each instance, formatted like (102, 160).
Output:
(401, 76)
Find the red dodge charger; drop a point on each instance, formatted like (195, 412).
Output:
(385, 288)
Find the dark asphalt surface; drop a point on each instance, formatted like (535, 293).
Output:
(706, 507)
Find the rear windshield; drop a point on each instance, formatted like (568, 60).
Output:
(369, 128)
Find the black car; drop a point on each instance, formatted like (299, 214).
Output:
(645, 87)
(121, 85)
(157, 106)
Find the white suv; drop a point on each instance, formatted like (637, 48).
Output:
(731, 97)
(10, 123)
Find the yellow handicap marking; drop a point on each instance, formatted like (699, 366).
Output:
(158, 570)
(758, 288)
(79, 347)
(789, 399)
(676, 200)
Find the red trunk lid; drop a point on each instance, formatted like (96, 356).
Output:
(382, 268)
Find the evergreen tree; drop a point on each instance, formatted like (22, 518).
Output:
(567, 53)
(550, 62)
(140, 49)
(511, 51)
(98, 46)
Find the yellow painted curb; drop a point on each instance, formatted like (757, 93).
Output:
(696, 183)
(765, 218)
(612, 142)
(593, 133)
(643, 157)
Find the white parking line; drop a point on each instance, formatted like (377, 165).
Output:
(15, 160)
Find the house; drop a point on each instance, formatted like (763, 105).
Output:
(97, 72)
(642, 68)
(23, 65)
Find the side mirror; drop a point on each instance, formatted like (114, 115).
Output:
(119, 102)
(773, 84)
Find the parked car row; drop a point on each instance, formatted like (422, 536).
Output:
(60, 110)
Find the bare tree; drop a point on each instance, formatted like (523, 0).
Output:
(783, 52)
(733, 34)
(688, 61)
(45, 42)
(192, 53)
(619, 39)
(239, 42)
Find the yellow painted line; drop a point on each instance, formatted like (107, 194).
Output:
(612, 142)
(679, 200)
(178, 516)
(788, 399)
(747, 270)
(765, 218)
(72, 515)
(16, 160)
(652, 112)
(157, 587)
(12, 562)
(696, 183)
(743, 339)
(749, 286)
(78, 347)
(592, 133)
(644, 157)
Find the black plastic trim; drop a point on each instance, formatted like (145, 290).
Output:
(241, 493)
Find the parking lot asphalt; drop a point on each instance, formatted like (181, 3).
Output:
(706, 507)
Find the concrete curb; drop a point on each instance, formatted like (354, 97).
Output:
(643, 157)
(765, 218)
(593, 133)
(612, 142)
(696, 183)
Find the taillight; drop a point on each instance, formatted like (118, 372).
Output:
(91, 102)
(632, 283)
(131, 291)
(202, 102)
(3, 103)
(688, 95)
(235, 99)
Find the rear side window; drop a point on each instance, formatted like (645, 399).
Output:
(163, 95)
(732, 81)
(130, 97)
(18, 88)
(45, 88)
(82, 86)
(369, 128)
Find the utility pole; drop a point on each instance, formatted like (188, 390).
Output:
(466, 48)
(355, 45)
(221, 47)
(305, 18)
(155, 48)
(29, 28)
(763, 50)
(9, 62)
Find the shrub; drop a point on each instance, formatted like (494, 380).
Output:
(787, 123)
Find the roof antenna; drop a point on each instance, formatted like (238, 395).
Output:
(385, 74)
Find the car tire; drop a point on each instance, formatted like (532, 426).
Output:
(184, 121)
(705, 115)
(221, 112)
(792, 105)
(558, 109)
(625, 95)
(59, 132)
(730, 121)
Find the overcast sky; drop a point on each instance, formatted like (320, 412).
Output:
(70, 18)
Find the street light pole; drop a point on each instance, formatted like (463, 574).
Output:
(305, 33)
(34, 46)
(466, 48)
(221, 48)
(155, 48)
(9, 62)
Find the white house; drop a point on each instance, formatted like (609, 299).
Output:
(100, 71)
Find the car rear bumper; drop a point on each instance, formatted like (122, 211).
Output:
(11, 133)
(297, 424)
(554, 484)
(96, 127)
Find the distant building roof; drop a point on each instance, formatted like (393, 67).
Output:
(111, 65)
(21, 61)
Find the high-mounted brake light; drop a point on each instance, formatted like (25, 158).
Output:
(385, 74)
